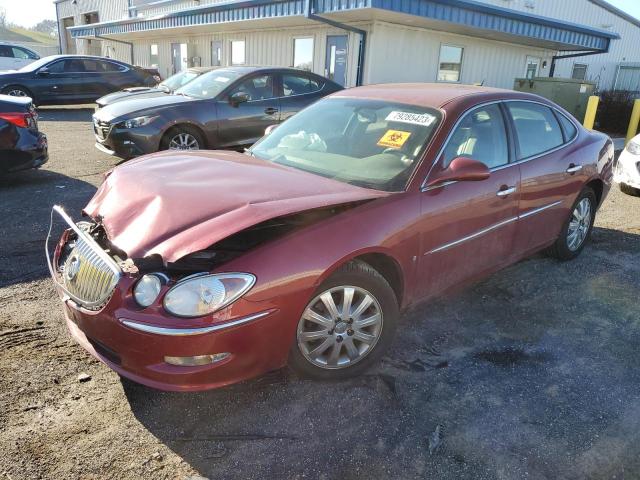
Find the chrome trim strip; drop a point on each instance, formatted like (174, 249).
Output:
(184, 332)
(538, 210)
(493, 227)
(472, 236)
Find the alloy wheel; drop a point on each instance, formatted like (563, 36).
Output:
(16, 92)
(184, 141)
(579, 224)
(340, 327)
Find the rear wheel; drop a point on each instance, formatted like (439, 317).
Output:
(577, 229)
(182, 138)
(346, 326)
(624, 188)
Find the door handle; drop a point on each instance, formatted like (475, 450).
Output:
(270, 110)
(505, 192)
(574, 168)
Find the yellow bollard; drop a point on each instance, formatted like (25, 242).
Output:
(590, 116)
(633, 124)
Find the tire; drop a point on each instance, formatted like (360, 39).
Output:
(634, 192)
(13, 90)
(370, 341)
(564, 249)
(182, 135)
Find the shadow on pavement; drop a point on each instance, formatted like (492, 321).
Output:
(530, 373)
(27, 198)
(73, 113)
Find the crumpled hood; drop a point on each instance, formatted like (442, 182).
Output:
(173, 204)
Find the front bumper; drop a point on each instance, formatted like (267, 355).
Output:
(31, 151)
(126, 143)
(627, 169)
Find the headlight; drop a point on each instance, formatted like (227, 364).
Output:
(202, 294)
(139, 121)
(633, 147)
(147, 290)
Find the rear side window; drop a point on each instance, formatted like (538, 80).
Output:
(299, 85)
(23, 54)
(570, 129)
(112, 67)
(537, 128)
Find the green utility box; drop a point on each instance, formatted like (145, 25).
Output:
(570, 94)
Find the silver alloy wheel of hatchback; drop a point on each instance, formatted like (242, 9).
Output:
(579, 225)
(16, 92)
(184, 141)
(340, 327)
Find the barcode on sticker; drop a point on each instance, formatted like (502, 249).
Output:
(408, 117)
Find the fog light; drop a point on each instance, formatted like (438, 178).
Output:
(197, 360)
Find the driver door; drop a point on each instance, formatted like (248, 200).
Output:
(244, 124)
(468, 228)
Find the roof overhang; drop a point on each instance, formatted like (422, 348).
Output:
(465, 17)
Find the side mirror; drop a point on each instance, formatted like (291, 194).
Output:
(164, 89)
(238, 98)
(461, 169)
(269, 130)
(43, 72)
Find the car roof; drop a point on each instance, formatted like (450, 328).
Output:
(434, 95)
(202, 69)
(97, 57)
(259, 68)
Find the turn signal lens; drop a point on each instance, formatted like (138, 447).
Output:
(633, 147)
(147, 290)
(196, 360)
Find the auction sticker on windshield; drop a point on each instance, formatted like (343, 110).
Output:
(413, 118)
(394, 139)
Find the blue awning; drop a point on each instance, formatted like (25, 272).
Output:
(471, 15)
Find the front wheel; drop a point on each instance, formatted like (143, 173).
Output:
(347, 325)
(182, 138)
(577, 229)
(16, 91)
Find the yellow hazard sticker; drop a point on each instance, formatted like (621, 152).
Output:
(394, 139)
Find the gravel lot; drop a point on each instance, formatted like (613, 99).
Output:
(532, 373)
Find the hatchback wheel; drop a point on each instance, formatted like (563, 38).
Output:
(577, 229)
(183, 138)
(347, 325)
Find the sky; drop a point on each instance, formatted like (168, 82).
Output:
(29, 12)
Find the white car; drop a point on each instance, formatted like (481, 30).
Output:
(14, 57)
(627, 170)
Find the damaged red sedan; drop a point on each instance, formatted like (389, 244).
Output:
(197, 270)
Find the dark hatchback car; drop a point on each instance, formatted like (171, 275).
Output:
(228, 108)
(22, 146)
(170, 85)
(73, 79)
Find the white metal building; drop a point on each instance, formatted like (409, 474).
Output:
(367, 41)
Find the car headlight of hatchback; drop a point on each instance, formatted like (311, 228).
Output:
(633, 147)
(202, 294)
(147, 290)
(139, 121)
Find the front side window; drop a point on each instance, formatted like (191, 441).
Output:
(303, 53)
(259, 87)
(369, 143)
(24, 54)
(482, 136)
(299, 85)
(536, 127)
(238, 52)
(209, 85)
(450, 66)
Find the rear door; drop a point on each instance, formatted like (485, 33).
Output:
(66, 80)
(468, 228)
(243, 124)
(298, 91)
(551, 174)
(6, 58)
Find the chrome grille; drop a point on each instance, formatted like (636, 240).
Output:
(88, 275)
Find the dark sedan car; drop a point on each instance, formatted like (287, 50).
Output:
(72, 79)
(226, 108)
(169, 85)
(195, 270)
(22, 146)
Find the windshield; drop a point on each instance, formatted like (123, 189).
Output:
(369, 143)
(209, 85)
(179, 79)
(36, 65)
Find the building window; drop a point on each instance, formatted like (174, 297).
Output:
(531, 70)
(579, 71)
(303, 53)
(450, 63)
(216, 53)
(154, 58)
(237, 52)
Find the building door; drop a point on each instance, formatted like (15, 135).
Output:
(216, 53)
(179, 57)
(336, 60)
(532, 68)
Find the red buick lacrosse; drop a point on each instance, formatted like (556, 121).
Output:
(193, 270)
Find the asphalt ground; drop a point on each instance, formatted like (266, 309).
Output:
(532, 373)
